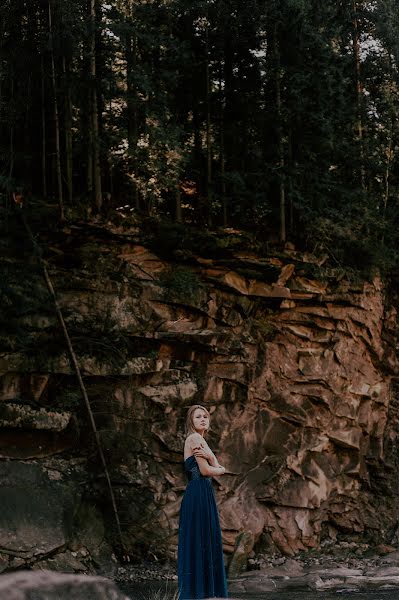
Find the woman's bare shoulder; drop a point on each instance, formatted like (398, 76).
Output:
(194, 438)
(191, 442)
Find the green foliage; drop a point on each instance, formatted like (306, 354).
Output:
(171, 239)
(262, 326)
(266, 329)
(100, 336)
(22, 295)
(182, 284)
(354, 246)
(177, 241)
(249, 115)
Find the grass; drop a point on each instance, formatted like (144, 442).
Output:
(162, 593)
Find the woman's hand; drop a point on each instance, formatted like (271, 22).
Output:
(201, 452)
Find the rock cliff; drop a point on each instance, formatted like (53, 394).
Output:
(297, 365)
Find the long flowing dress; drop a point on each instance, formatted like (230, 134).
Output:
(201, 571)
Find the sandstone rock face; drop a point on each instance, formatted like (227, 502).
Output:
(300, 377)
(44, 585)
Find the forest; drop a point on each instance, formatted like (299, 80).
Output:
(276, 117)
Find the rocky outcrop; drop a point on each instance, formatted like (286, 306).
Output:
(299, 374)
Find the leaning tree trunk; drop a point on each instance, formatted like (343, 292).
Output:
(38, 253)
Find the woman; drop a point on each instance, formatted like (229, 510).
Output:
(201, 570)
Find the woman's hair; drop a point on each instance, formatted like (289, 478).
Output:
(189, 419)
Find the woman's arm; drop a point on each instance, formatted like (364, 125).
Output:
(207, 462)
(213, 461)
(199, 447)
(203, 451)
(206, 469)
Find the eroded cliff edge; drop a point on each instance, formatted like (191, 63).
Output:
(300, 375)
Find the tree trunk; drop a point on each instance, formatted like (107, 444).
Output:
(178, 208)
(289, 191)
(280, 142)
(199, 183)
(88, 129)
(131, 100)
(68, 131)
(390, 155)
(222, 156)
(358, 92)
(12, 150)
(27, 143)
(95, 155)
(44, 141)
(56, 119)
(208, 134)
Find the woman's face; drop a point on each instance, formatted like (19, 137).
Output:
(200, 420)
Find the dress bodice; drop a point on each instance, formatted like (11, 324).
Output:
(192, 469)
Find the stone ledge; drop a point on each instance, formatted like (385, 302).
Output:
(24, 416)
(293, 575)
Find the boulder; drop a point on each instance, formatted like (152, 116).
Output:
(45, 585)
(36, 511)
(65, 562)
(244, 545)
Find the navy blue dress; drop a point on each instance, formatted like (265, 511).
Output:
(201, 570)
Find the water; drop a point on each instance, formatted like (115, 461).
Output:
(168, 591)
